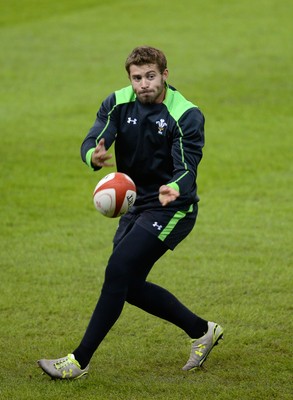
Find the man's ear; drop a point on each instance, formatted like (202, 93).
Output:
(165, 74)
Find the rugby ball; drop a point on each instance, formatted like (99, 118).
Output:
(114, 194)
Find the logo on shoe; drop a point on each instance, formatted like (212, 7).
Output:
(199, 352)
(67, 374)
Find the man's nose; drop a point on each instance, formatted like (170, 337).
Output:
(144, 83)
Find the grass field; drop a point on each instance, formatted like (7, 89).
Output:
(59, 59)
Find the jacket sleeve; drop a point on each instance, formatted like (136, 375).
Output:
(104, 127)
(188, 141)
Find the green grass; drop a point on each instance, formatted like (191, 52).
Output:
(58, 61)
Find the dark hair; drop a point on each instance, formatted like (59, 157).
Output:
(146, 55)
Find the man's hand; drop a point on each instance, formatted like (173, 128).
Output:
(100, 156)
(167, 194)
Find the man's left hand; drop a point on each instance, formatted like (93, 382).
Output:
(167, 194)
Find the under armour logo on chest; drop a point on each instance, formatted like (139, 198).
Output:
(131, 121)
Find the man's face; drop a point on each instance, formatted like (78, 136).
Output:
(148, 83)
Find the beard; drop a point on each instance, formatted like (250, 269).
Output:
(152, 95)
(149, 97)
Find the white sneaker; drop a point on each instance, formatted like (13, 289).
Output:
(201, 347)
(63, 368)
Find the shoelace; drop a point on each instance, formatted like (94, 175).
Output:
(63, 363)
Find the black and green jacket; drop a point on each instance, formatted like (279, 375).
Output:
(155, 144)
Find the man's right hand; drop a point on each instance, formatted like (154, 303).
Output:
(100, 157)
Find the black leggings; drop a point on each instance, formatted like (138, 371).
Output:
(125, 280)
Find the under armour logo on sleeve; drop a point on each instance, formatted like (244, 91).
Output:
(156, 225)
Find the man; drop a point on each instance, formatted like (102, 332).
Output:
(159, 137)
